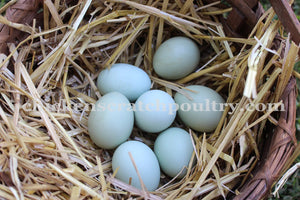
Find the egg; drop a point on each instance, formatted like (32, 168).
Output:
(111, 121)
(202, 109)
(127, 79)
(146, 163)
(154, 111)
(174, 149)
(176, 57)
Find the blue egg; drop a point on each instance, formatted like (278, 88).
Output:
(174, 149)
(145, 161)
(127, 79)
(111, 121)
(203, 110)
(176, 58)
(154, 111)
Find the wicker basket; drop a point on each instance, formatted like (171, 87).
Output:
(239, 23)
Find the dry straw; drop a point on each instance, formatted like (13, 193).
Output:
(46, 151)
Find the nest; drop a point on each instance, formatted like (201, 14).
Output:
(50, 64)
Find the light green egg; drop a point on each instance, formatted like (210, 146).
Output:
(201, 109)
(173, 149)
(111, 121)
(145, 161)
(176, 57)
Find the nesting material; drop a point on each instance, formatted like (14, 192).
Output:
(48, 86)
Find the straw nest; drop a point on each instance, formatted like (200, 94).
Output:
(46, 151)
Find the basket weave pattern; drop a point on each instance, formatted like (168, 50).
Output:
(23, 12)
(280, 148)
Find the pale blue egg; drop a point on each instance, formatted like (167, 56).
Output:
(110, 123)
(174, 149)
(145, 161)
(127, 79)
(154, 111)
(176, 58)
(202, 109)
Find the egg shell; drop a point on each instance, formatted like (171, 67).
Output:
(176, 57)
(174, 149)
(154, 111)
(127, 79)
(203, 111)
(111, 121)
(145, 161)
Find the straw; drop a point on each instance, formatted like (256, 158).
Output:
(46, 151)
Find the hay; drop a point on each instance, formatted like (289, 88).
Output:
(46, 151)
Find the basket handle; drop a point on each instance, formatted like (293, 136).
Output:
(245, 14)
(288, 18)
(242, 18)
